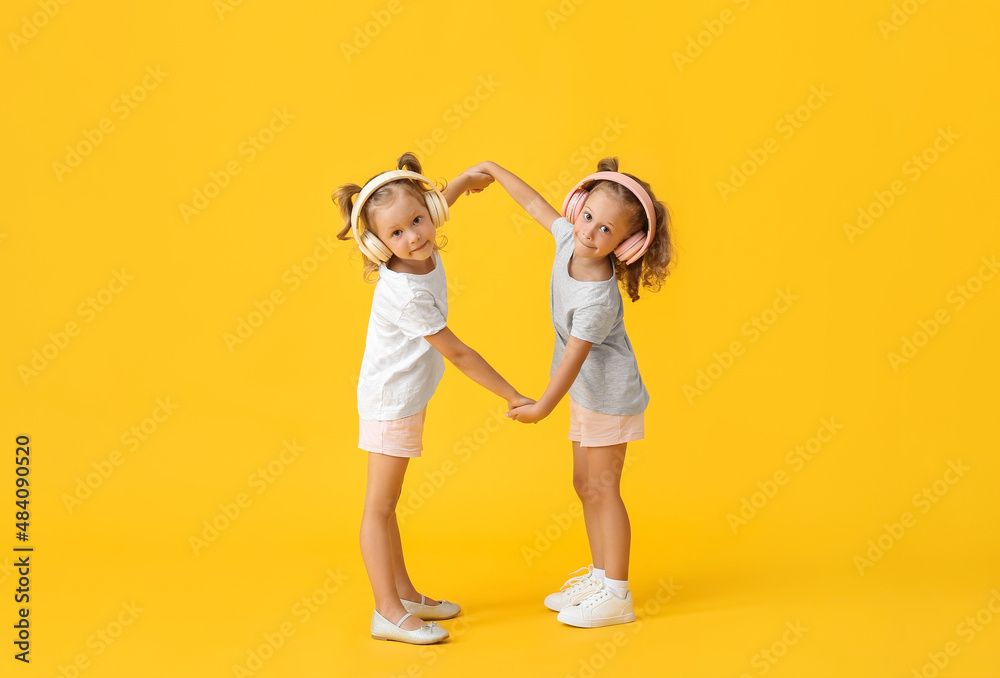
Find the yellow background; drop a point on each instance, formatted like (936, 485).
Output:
(497, 527)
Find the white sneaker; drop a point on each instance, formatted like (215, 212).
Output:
(601, 608)
(575, 589)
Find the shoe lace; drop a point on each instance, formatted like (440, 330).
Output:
(598, 596)
(576, 580)
(583, 586)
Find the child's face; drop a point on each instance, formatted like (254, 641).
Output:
(405, 226)
(601, 227)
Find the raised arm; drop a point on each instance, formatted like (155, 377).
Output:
(469, 181)
(475, 367)
(525, 196)
(572, 360)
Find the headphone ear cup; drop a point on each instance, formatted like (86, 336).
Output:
(630, 245)
(575, 204)
(373, 248)
(437, 206)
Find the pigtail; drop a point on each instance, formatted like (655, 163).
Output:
(607, 165)
(660, 258)
(343, 197)
(408, 161)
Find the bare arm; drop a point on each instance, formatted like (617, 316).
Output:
(469, 181)
(523, 194)
(475, 367)
(573, 358)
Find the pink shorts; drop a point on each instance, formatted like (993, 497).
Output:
(393, 437)
(593, 429)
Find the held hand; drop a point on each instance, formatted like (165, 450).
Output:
(518, 400)
(476, 180)
(527, 414)
(485, 167)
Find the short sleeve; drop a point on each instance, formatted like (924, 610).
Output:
(592, 323)
(562, 229)
(420, 317)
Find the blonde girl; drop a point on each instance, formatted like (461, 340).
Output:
(612, 230)
(394, 220)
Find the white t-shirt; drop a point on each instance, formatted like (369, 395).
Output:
(609, 380)
(400, 369)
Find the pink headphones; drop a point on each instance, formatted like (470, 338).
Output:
(634, 246)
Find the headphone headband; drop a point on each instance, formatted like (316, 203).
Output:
(377, 183)
(636, 189)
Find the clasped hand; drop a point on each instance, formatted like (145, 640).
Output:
(525, 410)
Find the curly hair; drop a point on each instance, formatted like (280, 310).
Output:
(654, 266)
(344, 196)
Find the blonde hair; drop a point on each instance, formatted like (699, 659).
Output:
(654, 266)
(344, 196)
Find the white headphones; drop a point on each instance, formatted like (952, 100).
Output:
(368, 242)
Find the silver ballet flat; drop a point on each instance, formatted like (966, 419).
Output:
(446, 610)
(383, 629)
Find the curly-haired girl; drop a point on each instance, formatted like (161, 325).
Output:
(612, 230)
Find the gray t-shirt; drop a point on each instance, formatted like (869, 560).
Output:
(609, 380)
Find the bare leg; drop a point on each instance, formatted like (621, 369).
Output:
(591, 518)
(385, 479)
(605, 466)
(404, 586)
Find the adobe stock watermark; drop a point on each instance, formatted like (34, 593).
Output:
(699, 42)
(230, 511)
(102, 639)
(365, 32)
(248, 150)
(913, 169)
(753, 329)
(6, 570)
(900, 14)
(456, 115)
(58, 341)
(121, 108)
(787, 125)
(606, 650)
(967, 630)
(293, 278)
(769, 656)
(562, 12)
(923, 500)
(561, 522)
(132, 439)
(30, 25)
(957, 297)
(302, 612)
(418, 495)
(224, 7)
(583, 157)
(796, 458)
(431, 654)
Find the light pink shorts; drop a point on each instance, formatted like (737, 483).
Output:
(593, 429)
(393, 437)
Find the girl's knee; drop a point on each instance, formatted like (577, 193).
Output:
(380, 510)
(605, 492)
(582, 486)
